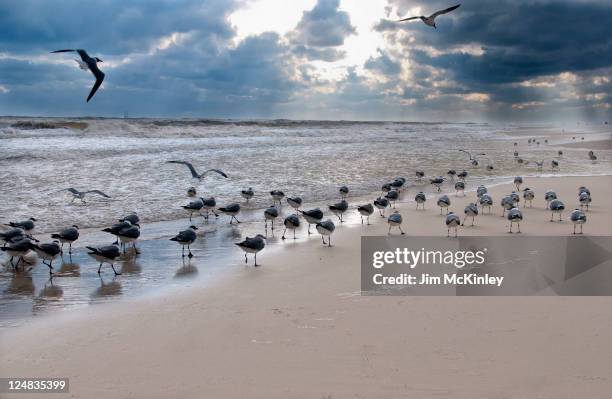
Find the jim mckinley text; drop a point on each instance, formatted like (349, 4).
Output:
(404, 257)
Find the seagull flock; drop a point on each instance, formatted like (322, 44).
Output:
(19, 240)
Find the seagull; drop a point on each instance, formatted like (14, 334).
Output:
(270, 213)
(277, 196)
(13, 235)
(339, 208)
(247, 194)
(386, 188)
(312, 216)
(420, 198)
(528, 195)
(105, 254)
(554, 165)
(392, 196)
(431, 20)
(76, 194)
(209, 205)
(395, 220)
(252, 245)
(507, 203)
(194, 206)
(459, 186)
(26, 225)
(578, 217)
(232, 210)
(473, 159)
(515, 216)
(486, 201)
(192, 192)
(452, 221)
(185, 238)
(398, 183)
(365, 210)
(291, 222)
(295, 202)
(88, 63)
(194, 173)
(556, 206)
(548, 197)
(518, 180)
(381, 203)
(326, 228)
(481, 190)
(444, 202)
(69, 235)
(462, 175)
(515, 198)
(451, 174)
(129, 234)
(585, 200)
(114, 229)
(48, 252)
(18, 248)
(344, 190)
(470, 210)
(420, 175)
(592, 156)
(437, 182)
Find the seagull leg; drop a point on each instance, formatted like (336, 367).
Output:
(309, 229)
(190, 254)
(256, 265)
(402, 231)
(323, 239)
(368, 219)
(284, 230)
(519, 227)
(99, 267)
(329, 241)
(294, 234)
(389, 232)
(116, 273)
(183, 253)
(245, 258)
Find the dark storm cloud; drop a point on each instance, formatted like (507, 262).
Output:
(519, 40)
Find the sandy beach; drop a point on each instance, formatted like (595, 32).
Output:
(297, 327)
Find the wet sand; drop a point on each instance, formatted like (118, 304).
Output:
(298, 327)
(591, 145)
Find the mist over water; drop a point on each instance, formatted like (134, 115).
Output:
(126, 158)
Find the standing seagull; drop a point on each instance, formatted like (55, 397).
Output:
(515, 216)
(232, 210)
(88, 63)
(431, 20)
(556, 206)
(292, 222)
(326, 228)
(247, 194)
(365, 210)
(420, 198)
(486, 201)
(252, 246)
(578, 217)
(295, 203)
(69, 235)
(381, 203)
(76, 194)
(444, 202)
(277, 196)
(312, 216)
(271, 213)
(344, 190)
(395, 220)
(470, 210)
(47, 252)
(26, 225)
(106, 254)
(338, 209)
(194, 173)
(528, 195)
(185, 238)
(452, 221)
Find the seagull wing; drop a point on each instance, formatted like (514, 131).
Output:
(72, 190)
(97, 192)
(99, 78)
(449, 9)
(216, 171)
(63, 51)
(467, 152)
(408, 19)
(189, 165)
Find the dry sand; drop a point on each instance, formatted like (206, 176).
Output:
(297, 327)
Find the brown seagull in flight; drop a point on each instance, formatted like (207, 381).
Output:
(431, 20)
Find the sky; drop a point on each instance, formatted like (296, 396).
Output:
(501, 60)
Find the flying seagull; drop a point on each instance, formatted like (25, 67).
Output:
(88, 63)
(81, 194)
(431, 20)
(194, 173)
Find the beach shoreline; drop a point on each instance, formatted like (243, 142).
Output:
(298, 327)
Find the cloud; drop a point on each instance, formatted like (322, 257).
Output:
(321, 31)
